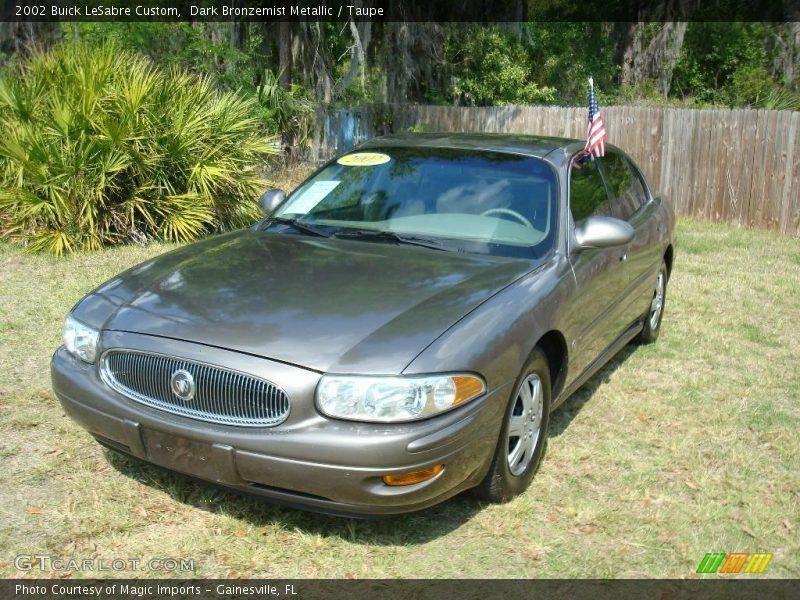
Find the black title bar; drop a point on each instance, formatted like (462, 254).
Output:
(401, 10)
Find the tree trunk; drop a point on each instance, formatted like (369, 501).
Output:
(22, 36)
(791, 72)
(238, 35)
(361, 37)
(413, 58)
(285, 54)
(217, 35)
(660, 57)
(238, 40)
(627, 34)
(786, 37)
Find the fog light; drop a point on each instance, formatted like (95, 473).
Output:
(413, 476)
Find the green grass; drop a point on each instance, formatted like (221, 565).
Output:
(673, 450)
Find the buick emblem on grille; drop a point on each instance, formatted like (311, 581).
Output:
(182, 385)
(193, 389)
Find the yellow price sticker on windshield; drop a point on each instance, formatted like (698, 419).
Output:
(364, 159)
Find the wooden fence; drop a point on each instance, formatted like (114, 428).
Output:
(739, 166)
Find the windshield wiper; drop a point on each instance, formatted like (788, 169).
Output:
(391, 236)
(295, 224)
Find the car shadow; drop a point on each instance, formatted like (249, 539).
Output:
(564, 414)
(411, 529)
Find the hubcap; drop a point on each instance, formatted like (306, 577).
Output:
(525, 422)
(657, 305)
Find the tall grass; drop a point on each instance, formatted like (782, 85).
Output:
(98, 147)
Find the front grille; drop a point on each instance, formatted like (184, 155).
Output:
(219, 395)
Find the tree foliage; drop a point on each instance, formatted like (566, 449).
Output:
(491, 66)
(723, 63)
(695, 63)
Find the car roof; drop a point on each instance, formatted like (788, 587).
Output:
(532, 145)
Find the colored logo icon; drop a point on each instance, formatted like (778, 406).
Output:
(735, 562)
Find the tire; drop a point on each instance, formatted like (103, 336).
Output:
(506, 477)
(655, 313)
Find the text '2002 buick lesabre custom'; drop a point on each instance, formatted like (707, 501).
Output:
(395, 331)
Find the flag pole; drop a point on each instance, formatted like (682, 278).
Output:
(591, 90)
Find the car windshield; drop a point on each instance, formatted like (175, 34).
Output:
(466, 200)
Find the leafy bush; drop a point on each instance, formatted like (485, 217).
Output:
(754, 87)
(722, 63)
(494, 69)
(98, 147)
(749, 86)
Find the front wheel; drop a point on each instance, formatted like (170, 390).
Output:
(523, 436)
(655, 312)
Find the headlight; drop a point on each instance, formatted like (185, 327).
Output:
(393, 399)
(80, 340)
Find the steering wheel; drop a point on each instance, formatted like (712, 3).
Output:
(510, 213)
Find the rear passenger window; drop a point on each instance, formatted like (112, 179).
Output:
(638, 184)
(587, 196)
(627, 191)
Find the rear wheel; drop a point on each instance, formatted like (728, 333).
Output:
(655, 312)
(523, 436)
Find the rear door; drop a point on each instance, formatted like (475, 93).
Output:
(599, 273)
(630, 201)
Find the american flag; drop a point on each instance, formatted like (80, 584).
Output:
(596, 137)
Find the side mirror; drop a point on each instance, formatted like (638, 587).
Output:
(603, 232)
(271, 199)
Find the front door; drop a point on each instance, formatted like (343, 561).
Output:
(596, 319)
(630, 202)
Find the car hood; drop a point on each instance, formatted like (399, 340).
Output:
(331, 305)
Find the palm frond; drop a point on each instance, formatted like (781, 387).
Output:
(98, 146)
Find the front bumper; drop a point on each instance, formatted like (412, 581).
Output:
(309, 461)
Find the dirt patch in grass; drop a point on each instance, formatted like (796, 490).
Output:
(673, 450)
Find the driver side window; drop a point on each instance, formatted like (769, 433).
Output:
(587, 192)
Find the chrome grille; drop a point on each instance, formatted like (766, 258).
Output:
(220, 395)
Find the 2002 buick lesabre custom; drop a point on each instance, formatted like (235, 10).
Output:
(395, 331)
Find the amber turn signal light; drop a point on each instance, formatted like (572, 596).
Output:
(467, 388)
(413, 476)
